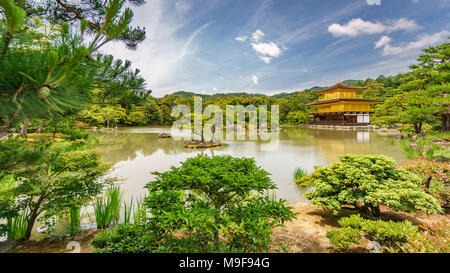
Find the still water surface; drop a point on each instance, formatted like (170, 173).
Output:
(137, 151)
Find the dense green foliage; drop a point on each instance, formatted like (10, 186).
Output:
(51, 176)
(418, 97)
(366, 182)
(434, 178)
(388, 233)
(208, 204)
(48, 68)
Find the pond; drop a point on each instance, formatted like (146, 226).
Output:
(137, 151)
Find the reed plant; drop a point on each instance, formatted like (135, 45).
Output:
(75, 218)
(127, 212)
(17, 226)
(107, 209)
(133, 212)
(139, 212)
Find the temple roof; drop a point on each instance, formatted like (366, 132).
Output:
(338, 100)
(341, 85)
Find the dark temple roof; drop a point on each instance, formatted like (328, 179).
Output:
(341, 85)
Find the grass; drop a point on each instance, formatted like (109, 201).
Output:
(107, 209)
(417, 150)
(17, 226)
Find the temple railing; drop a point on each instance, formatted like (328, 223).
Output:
(338, 123)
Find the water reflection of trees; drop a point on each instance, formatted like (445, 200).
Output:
(117, 146)
(120, 146)
(334, 142)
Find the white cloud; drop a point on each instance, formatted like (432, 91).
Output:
(182, 6)
(255, 80)
(268, 49)
(357, 26)
(422, 42)
(305, 69)
(186, 45)
(382, 42)
(172, 53)
(241, 38)
(265, 59)
(257, 35)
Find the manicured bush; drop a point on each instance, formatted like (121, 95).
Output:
(342, 238)
(389, 234)
(217, 200)
(208, 204)
(366, 182)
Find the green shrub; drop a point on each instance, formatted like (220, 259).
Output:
(126, 238)
(434, 178)
(342, 238)
(52, 175)
(366, 182)
(208, 204)
(389, 234)
(353, 221)
(433, 239)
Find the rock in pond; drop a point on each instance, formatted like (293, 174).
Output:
(194, 144)
(164, 135)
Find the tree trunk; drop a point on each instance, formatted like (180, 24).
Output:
(39, 131)
(107, 121)
(24, 129)
(33, 216)
(417, 128)
(445, 122)
(427, 184)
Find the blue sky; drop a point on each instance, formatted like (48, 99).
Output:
(274, 46)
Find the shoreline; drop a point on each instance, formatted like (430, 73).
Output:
(304, 234)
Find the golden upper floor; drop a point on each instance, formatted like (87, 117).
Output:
(340, 94)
